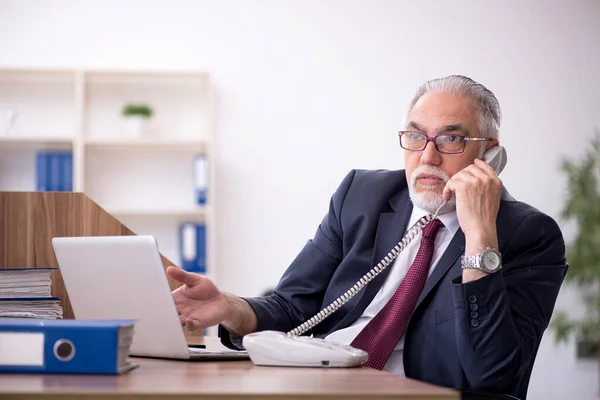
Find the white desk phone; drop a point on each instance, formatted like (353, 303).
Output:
(273, 348)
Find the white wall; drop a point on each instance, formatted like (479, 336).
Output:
(311, 89)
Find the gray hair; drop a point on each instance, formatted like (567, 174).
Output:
(489, 114)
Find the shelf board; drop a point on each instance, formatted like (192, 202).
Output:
(143, 77)
(159, 143)
(36, 75)
(104, 76)
(33, 142)
(159, 73)
(194, 212)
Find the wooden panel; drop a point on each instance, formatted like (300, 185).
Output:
(29, 221)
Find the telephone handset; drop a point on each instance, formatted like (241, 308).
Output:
(291, 349)
(496, 158)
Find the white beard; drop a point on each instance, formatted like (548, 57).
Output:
(427, 199)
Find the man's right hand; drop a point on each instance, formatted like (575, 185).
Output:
(201, 304)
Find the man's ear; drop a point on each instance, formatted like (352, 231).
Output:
(492, 143)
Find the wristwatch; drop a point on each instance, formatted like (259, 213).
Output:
(489, 260)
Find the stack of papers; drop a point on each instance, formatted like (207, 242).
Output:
(35, 307)
(25, 282)
(27, 293)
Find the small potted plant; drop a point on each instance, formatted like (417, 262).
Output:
(136, 117)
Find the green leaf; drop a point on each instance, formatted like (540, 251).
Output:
(562, 327)
(137, 109)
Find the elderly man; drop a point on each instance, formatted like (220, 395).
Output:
(464, 305)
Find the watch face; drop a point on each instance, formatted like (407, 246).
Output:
(490, 260)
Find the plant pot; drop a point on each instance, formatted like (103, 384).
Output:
(135, 126)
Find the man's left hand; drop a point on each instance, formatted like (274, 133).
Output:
(477, 189)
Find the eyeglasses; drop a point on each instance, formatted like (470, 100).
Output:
(445, 143)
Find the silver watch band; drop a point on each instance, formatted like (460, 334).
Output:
(470, 262)
(489, 260)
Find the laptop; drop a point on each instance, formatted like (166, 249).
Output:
(122, 277)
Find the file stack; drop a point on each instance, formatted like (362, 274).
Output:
(26, 293)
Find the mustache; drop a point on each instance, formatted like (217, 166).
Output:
(428, 170)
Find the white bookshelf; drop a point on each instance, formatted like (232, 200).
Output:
(195, 213)
(147, 181)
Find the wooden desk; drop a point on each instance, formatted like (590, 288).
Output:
(161, 379)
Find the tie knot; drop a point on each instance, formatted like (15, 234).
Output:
(432, 228)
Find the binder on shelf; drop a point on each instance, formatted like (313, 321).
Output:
(55, 174)
(67, 171)
(201, 178)
(66, 346)
(42, 166)
(187, 245)
(200, 248)
(54, 171)
(192, 246)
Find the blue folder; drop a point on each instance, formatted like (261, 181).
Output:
(67, 171)
(55, 183)
(42, 166)
(201, 248)
(201, 178)
(54, 171)
(27, 269)
(192, 246)
(65, 346)
(32, 299)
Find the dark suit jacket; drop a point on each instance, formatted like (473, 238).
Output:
(478, 335)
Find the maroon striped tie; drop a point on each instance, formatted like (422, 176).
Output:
(384, 331)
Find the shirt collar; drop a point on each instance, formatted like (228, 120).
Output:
(449, 219)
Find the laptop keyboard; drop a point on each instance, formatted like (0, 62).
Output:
(196, 350)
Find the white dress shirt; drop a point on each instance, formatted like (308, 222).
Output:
(397, 273)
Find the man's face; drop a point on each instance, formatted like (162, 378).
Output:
(428, 171)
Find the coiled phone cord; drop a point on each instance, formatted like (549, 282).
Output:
(368, 277)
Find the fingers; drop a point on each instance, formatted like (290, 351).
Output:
(477, 172)
(485, 167)
(486, 173)
(187, 278)
(448, 190)
(464, 177)
(192, 324)
(471, 176)
(189, 323)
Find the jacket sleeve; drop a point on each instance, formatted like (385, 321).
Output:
(299, 293)
(500, 318)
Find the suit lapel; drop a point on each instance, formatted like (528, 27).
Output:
(453, 251)
(390, 229)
